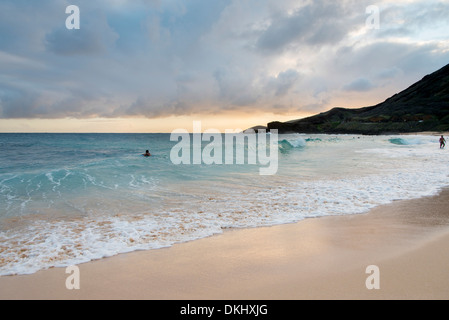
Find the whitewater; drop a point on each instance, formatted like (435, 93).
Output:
(67, 199)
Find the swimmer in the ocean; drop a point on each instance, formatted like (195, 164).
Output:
(147, 154)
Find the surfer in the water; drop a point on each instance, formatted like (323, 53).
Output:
(147, 154)
(442, 142)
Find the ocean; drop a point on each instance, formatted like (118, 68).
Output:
(67, 199)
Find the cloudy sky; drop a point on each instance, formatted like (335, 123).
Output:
(157, 65)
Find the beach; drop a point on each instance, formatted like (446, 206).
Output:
(318, 258)
(224, 151)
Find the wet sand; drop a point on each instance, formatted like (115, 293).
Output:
(322, 258)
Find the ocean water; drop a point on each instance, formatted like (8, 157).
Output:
(67, 199)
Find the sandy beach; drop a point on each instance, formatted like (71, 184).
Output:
(323, 258)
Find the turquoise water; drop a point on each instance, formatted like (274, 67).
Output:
(70, 198)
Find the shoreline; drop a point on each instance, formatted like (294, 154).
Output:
(317, 258)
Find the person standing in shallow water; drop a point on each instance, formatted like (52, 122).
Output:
(147, 154)
(442, 142)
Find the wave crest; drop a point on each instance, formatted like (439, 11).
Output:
(406, 141)
(287, 144)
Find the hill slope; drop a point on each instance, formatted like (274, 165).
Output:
(422, 107)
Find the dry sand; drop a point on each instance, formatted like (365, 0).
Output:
(323, 258)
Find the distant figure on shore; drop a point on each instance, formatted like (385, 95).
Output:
(442, 142)
(147, 154)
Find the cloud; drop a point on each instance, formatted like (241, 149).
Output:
(16, 103)
(283, 82)
(421, 19)
(360, 84)
(93, 38)
(159, 58)
(316, 23)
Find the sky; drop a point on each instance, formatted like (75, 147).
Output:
(159, 65)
